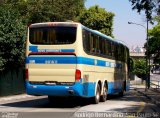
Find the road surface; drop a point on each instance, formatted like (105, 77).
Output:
(39, 107)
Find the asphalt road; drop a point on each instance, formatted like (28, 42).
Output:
(39, 107)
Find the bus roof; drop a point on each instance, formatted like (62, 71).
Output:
(105, 36)
(76, 24)
(53, 24)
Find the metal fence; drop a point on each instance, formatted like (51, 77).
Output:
(155, 84)
(12, 82)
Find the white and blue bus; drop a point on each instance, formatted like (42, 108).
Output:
(69, 59)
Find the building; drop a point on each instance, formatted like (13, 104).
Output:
(137, 52)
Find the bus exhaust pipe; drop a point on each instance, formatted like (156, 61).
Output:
(71, 92)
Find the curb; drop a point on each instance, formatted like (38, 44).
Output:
(14, 97)
(154, 101)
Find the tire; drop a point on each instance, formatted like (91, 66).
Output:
(105, 93)
(53, 99)
(96, 98)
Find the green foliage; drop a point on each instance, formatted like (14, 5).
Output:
(149, 6)
(48, 10)
(16, 14)
(98, 19)
(154, 41)
(140, 68)
(12, 38)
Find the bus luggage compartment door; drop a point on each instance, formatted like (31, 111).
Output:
(51, 68)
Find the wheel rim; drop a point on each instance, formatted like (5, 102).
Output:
(97, 95)
(105, 91)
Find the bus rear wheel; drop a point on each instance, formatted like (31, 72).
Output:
(96, 98)
(105, 92)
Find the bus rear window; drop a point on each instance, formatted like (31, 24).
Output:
(57, 35)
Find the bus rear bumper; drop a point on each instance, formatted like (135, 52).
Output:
(52, 90)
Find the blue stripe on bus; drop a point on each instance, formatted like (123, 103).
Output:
(67, 50)
(71, 60)
(35, 49)
(84, 60)
(102, 63)
(84, 90)
(112, 89)
(47, 60)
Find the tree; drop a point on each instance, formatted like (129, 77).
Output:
(48, 10)
(154, 42)
(98, 19)
(149, 6)
(12, 38)
(16, 14)
(140, 68)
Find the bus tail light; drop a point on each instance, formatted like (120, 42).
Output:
(78, 75)
(26, 74)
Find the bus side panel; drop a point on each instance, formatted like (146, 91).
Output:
(78, 89)
(88, 84)
(90, 91)
(115, 76)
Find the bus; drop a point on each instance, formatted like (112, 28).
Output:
(69, 59)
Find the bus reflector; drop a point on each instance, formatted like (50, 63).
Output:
(78, 75)
(26, 74)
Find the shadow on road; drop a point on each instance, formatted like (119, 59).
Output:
(70, 102)
(42, 102)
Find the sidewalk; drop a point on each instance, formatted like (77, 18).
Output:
(14, 97)
(151, 94)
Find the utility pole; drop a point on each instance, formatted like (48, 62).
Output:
(147, 54)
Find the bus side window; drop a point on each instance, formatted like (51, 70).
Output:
(119, 52)
(97, 45)
(116, 51)
(106, 47)
(127, 55)
(113, 49)
(123, 54)
(102, 45)
(109, 49)
(86, 40)
(92, 48)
